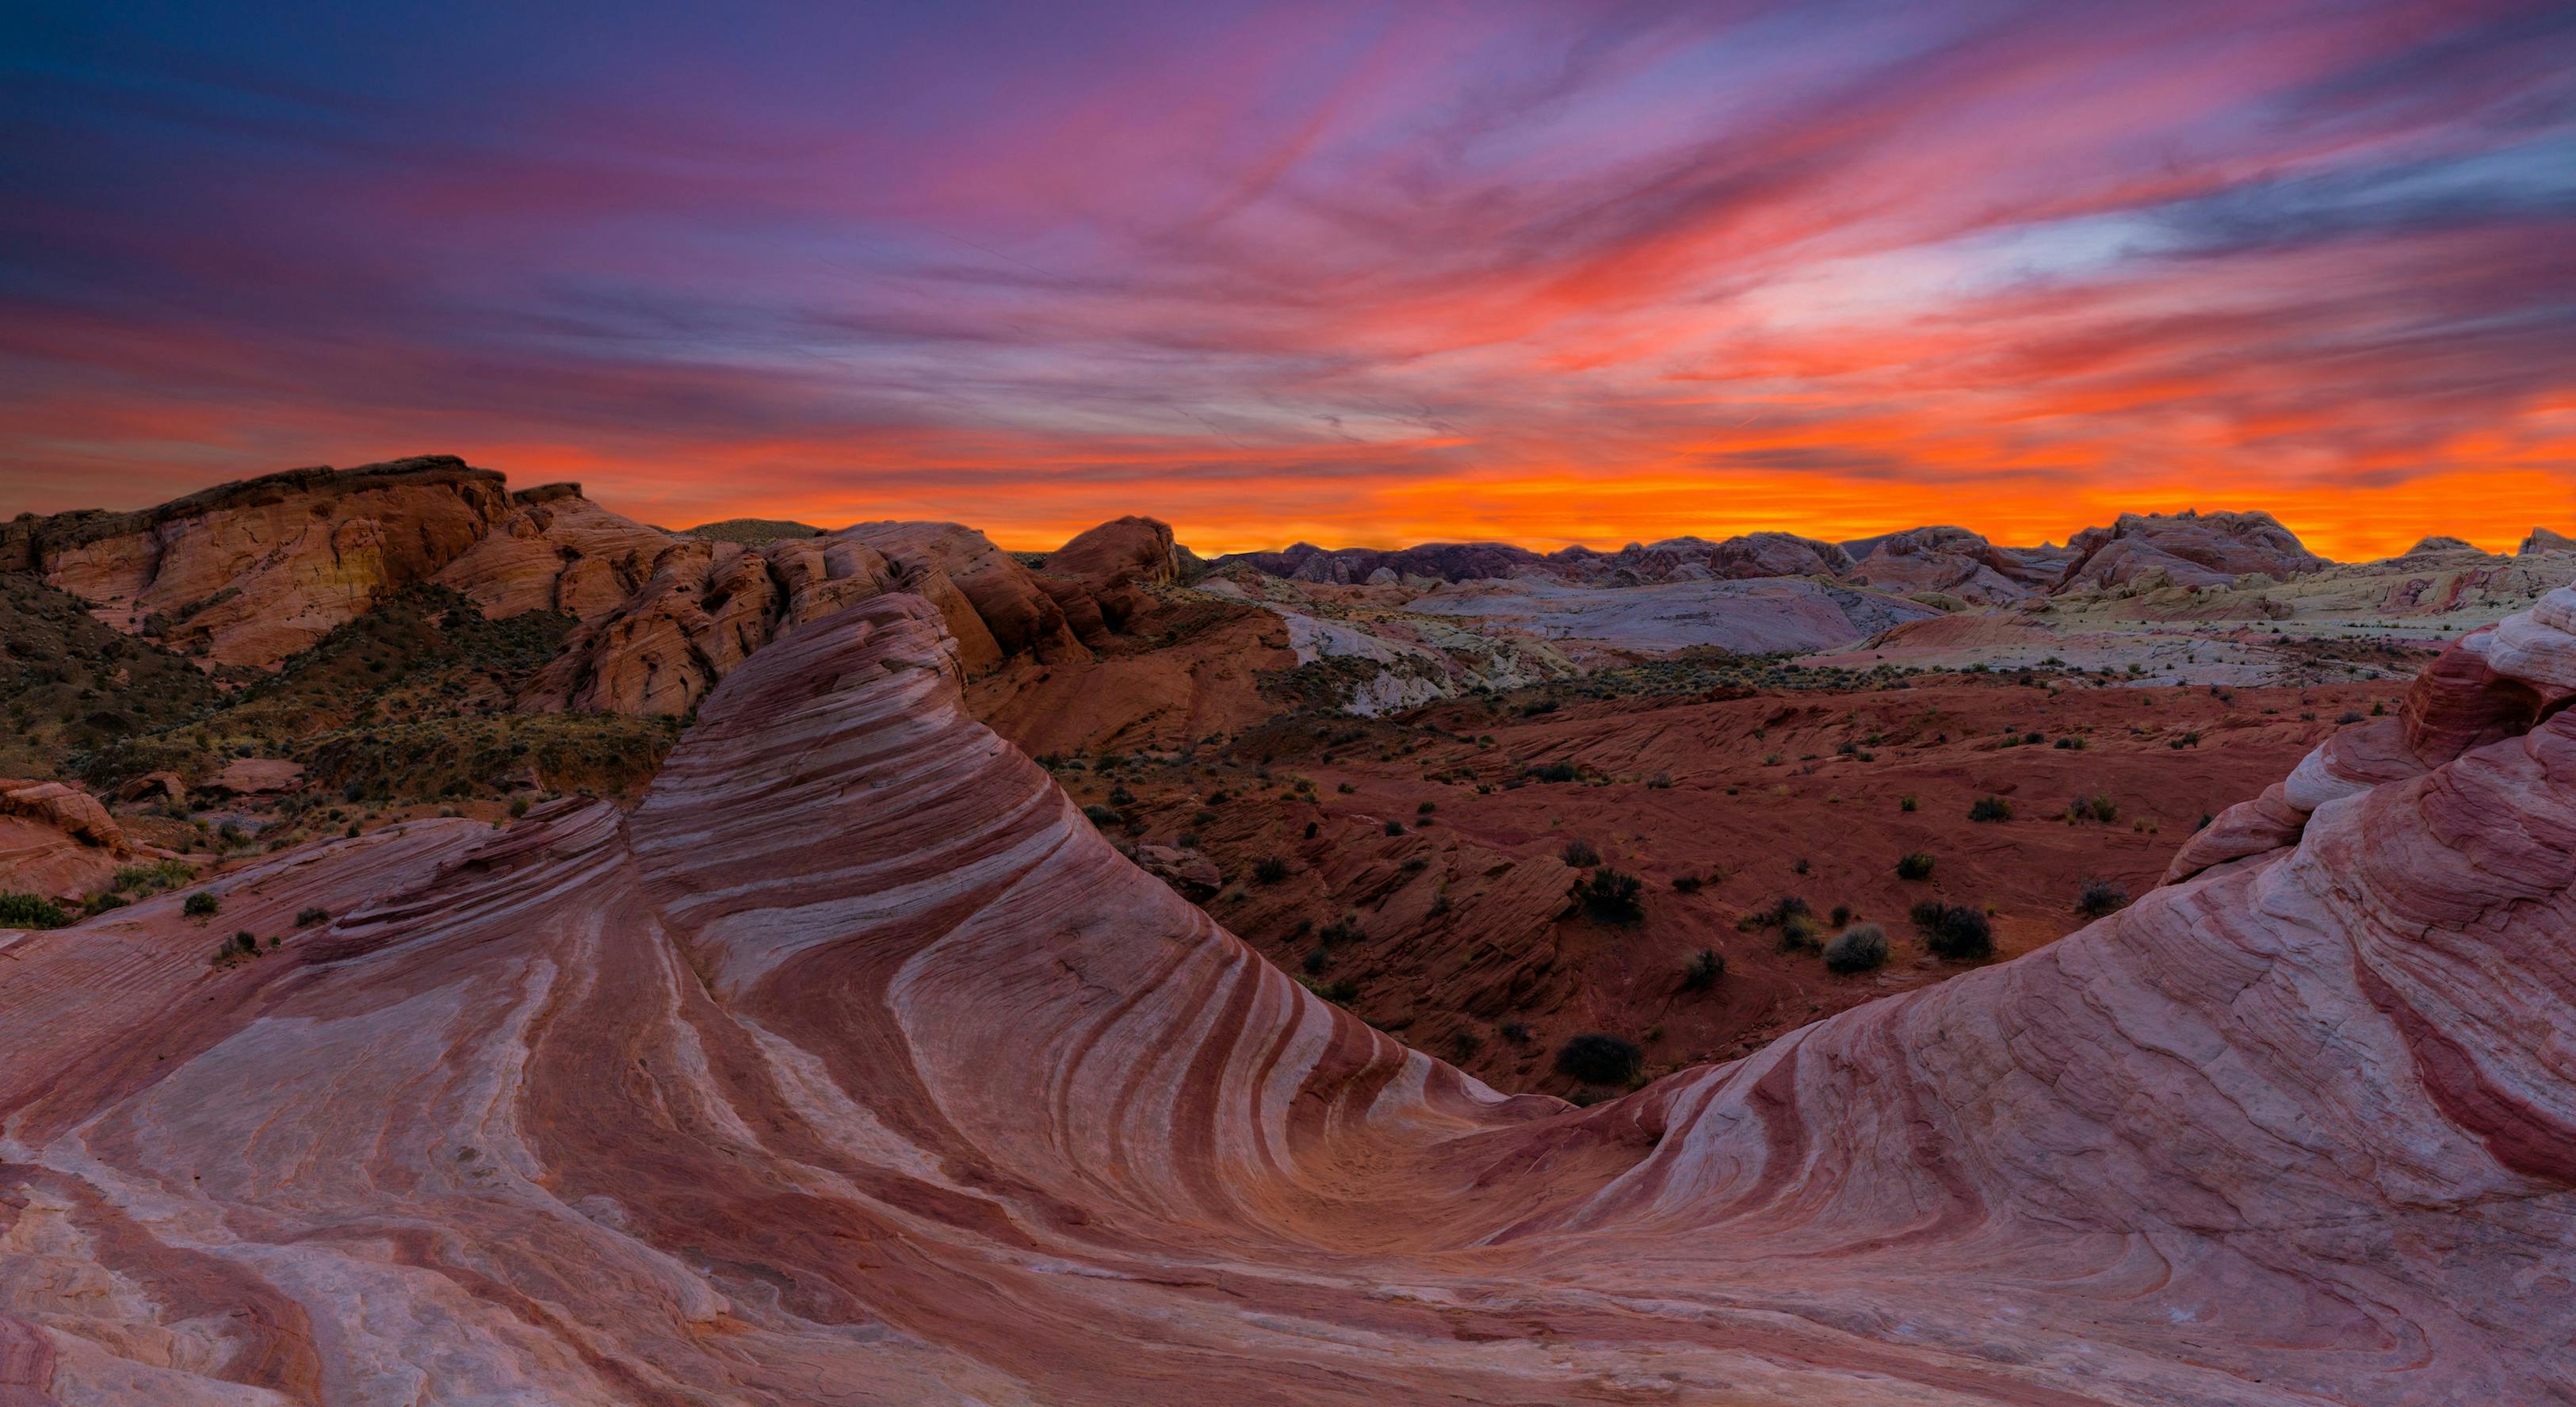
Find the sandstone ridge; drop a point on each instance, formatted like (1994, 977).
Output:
(855, 1061)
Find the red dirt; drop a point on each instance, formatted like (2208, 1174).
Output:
(1511, 967)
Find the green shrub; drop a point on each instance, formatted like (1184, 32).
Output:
(201, 904)
(1597, 1058)
(1580, 854)
(1907, 804)
(1687, 883)
(306, 918)
(1914, 865)
(1990, 808)
(1954, 931)
(1857, 948)
(19, 910)
(2101, 896)
(1270, 870)
(1702, 971)
(1613, 896)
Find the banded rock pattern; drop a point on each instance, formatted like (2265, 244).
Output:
(855, 1067)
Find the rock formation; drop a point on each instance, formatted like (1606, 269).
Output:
(705, 606)
(2544, 540)
(248, 573)
(556, 551)
(2189, 548)
(56, 841)
(1953, 561)
(855, 1066)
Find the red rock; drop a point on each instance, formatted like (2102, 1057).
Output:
(248, 573)
(166, 786)
(259, 776)
(1953, 561)
(854, 1061)
(1188, 872)
(2544, 540)
(2188, 548)
(556, 551)
(1120, 552)
(56, 840)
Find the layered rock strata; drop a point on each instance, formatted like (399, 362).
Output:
(854, 1066)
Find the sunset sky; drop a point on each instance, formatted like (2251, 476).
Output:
(1354, 274)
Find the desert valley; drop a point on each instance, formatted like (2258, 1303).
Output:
(461, 944)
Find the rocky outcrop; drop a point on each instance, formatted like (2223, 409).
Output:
(2544, 540)
(1121, 552)
(556, 551)
(56, 841)
(248, 573)
(2188, 549)
(856, 1062)
(1437, 561)
(1955, 562)
(706, 606)
(2439, 543)
(1745, 617)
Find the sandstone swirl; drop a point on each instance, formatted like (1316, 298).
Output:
(853, 1067)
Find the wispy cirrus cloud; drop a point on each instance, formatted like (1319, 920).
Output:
(1589, 272)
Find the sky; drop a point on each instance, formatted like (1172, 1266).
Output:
(1353, 274)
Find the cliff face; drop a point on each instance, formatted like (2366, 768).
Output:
(248, 573)
(855, 1062)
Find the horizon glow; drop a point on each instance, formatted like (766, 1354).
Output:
(1360, 275)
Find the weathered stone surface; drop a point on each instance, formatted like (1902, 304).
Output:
(56, 841)
(557, 551)
(1955, 561)
(1120, 552)
(2545, 540)
(856, 1064)
(248, 573)
(2188, 548)
(1191, 874)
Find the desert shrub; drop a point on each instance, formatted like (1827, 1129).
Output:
(1554, 772)
(518, 806)
(1395, 828)
(1687, 883)
(2351, 715)
(1270, 869)
(2093, 808)
(1613, 896)
(1597, 1058)
(1702, 971)
(246, 942)
(1907, 804)
(1990, 808)
(1954, 931)
(306, 918)
(142, 880)
(1914, 865)
(2071, 743)
(1843, 916)
(1580, 854)
(18, 910)
(1102, 815)
(201, 904)
(2101, 896)
(1801, 933)
(1857, 948)
(1426, 808)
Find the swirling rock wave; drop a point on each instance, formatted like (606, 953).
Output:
(854, 1067)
